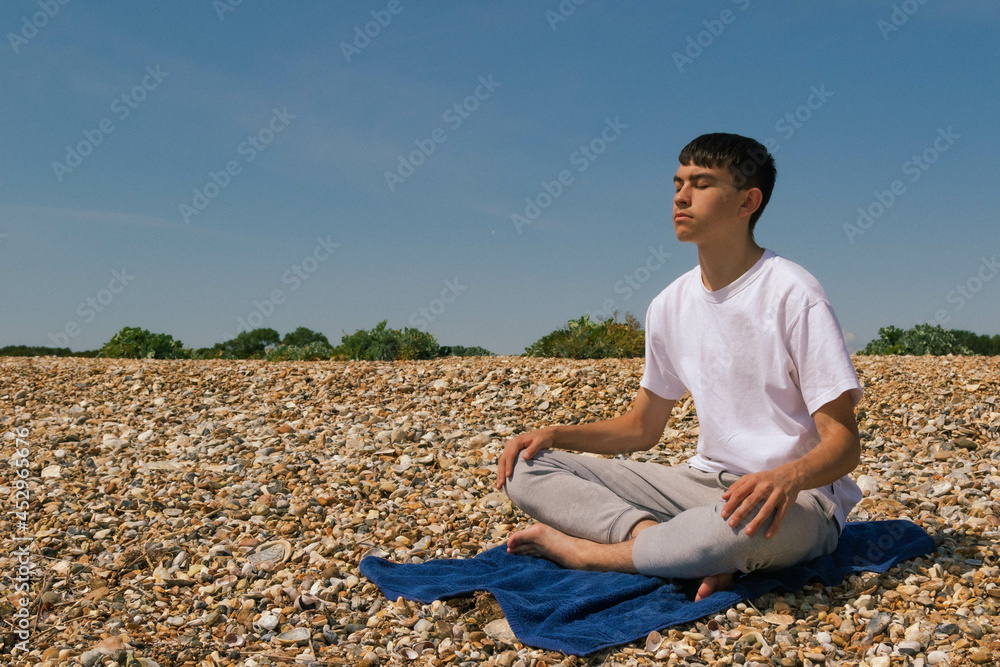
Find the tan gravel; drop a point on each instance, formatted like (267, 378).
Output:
(214, 512)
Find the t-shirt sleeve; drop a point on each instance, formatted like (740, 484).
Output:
(823, 365)
(659, 376)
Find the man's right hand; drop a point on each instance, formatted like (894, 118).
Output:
(530, 443)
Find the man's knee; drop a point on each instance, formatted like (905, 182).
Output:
(520, 480)
(526, 487)
(803, 535)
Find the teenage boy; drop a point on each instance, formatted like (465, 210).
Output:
(755, 340)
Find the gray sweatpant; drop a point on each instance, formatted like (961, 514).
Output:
(602, 499)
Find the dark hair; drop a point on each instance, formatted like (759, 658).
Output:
(748, 161)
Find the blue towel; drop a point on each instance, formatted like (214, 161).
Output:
(578, 612)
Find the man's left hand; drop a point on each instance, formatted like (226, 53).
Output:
(777, 489)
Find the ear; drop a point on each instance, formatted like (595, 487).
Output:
(751, 202)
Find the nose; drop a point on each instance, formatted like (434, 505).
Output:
(681, 196)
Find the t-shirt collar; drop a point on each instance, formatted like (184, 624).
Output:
(720, 295)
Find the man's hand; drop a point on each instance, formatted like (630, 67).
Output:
(837, 454)
(638, 429)
(531, 443)
(777, 489)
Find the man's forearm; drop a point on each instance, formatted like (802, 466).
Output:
(837, 453)
(620, 435)
(830, 460)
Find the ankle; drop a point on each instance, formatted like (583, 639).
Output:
(641, 526)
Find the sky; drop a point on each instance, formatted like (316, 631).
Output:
(481, 171)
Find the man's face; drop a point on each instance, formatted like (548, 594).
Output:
(706, 203)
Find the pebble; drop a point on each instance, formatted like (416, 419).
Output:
(215, 512)
(867, 484)
(292, 637)
(937, 658)
(90, 658)
(500, 631)
(877, 624)
(982, 657)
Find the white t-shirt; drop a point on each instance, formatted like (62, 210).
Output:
(759, 357)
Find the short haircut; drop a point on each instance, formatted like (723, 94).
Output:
(747, 160)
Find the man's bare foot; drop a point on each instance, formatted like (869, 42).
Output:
(716, 582)
(573, 552)
(544, 541)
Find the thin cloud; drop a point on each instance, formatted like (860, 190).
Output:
(13, 214)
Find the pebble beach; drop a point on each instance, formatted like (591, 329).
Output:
(215, 513)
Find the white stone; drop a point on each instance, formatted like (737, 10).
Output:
(499, 630)
(867, 484)
(267, 621)
(937, 658)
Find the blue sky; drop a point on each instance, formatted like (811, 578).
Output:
(195, 166)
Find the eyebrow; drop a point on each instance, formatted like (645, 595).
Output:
(697, 176)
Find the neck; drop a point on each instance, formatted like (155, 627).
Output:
(723, 263)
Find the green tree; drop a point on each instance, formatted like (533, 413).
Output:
(250, 344)
(214, 352)
(309, 352)
(919, 340)
(888, 342)
(136, 343)
(462, 351)
(584, 339)
(978, 343)
(303, 336)
(32, 351)
(382, 344)
(416, 344)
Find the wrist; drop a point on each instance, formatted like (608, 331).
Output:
(797, 474)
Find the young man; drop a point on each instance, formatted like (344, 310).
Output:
(755, 340)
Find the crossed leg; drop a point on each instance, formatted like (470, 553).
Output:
(592, 513)
(576, 553)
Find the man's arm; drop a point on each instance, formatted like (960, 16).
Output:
(638, 429)
(837, 454)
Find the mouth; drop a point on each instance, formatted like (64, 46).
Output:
(679, 217)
